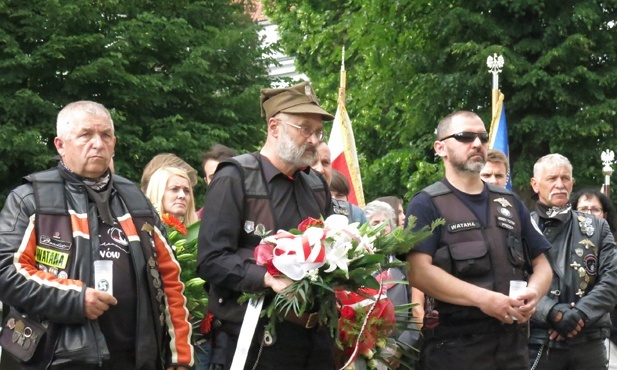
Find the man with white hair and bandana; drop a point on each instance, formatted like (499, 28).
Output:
(572, 321)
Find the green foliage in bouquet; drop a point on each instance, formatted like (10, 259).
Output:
(184, 242)
(352, 256)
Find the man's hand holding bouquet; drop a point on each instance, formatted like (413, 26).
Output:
(321, 257)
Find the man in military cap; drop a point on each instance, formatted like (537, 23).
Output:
(572, 320)
(251, 194)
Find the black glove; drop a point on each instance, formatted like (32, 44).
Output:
(569, 321)
(559, 307)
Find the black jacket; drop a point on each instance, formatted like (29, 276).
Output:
(584, 272)
(58, 296)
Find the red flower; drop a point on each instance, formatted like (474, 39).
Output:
(174, 223)
(348, 313)
(380, 324)
(271, 269)
(263, 253)
(309, 222)
(206, 324)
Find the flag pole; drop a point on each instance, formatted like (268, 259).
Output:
(342, 144)
(495, 64)
(343, 81)
(608, 157)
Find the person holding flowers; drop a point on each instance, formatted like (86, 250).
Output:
(251, 195)
(465, 268)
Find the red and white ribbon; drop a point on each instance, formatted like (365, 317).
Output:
(294, 257)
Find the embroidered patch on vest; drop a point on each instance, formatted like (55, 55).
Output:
(505, 223)
(462, 226)
(54, 242)
(505, 212)
(51, 258)
(591, 262)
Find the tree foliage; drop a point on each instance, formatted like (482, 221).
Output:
(410, 63)
(177, 75)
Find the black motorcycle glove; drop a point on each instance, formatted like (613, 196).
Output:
(559, 307)
(569, 321)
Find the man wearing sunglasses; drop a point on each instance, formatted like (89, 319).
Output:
(572, 320)
(250, 195)
(466, 266)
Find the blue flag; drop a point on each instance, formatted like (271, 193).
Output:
(499, 135)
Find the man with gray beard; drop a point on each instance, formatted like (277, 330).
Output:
(253, 194)
(572, 320)
(466, 266)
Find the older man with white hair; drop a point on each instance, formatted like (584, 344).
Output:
(572, 321)
(56, 229)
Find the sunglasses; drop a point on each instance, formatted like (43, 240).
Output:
(468, 137)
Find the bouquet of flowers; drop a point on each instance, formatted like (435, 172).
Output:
(365, 319)
(323, 256)
(184, 241)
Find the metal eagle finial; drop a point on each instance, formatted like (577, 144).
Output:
(495, 63)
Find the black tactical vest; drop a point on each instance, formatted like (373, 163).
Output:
(488, 256)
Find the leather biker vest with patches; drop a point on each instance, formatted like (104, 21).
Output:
(258, 217)
(56, 252)
(488, 256)
(574, 256)
(258, 209)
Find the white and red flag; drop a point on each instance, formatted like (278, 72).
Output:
(343, 146)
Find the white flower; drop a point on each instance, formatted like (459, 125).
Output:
(336, 222)
(313, 274)
(336, 257)
(365, 246)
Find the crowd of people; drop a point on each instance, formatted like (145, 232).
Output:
(65, 310)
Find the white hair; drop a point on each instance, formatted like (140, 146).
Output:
(376, 207)
(67, 116)
(553, 160)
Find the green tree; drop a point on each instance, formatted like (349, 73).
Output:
(178, 76)
(410, 63)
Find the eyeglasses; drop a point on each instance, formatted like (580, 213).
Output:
(592, 210)
(468, 137)
(305, 131)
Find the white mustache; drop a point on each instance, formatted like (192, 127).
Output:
(550, 196)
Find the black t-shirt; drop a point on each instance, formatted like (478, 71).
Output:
(425, 212)
(118, 323)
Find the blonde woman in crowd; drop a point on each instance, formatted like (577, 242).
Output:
(170, 191)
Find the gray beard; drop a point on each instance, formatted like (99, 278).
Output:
(292, 154)
(473, 167)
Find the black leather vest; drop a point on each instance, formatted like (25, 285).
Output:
(258, 210)
(258, 201)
